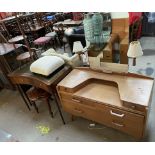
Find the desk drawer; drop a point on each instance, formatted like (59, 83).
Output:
(36, 83)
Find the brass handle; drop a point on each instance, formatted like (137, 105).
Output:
(117, 124)
(79, 111)
(115, 114)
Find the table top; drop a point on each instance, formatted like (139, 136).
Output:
(35, 28)
(6, 48)
(132, 88)
(72, 22)
(8, 19)
(16, 39)
(35, 79)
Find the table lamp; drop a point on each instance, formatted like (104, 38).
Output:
(77, 47)
(134, 51)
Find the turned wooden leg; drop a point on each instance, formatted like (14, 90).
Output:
(35, 106)
(49, 107)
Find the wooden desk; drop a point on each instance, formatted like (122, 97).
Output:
(120, 101)
(25, 76)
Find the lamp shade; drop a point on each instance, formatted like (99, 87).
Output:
(135, 49)
(77, 46)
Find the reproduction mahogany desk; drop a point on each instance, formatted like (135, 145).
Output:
(120, 101)
(25, 76)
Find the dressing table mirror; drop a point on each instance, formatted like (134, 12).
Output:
(108, 43)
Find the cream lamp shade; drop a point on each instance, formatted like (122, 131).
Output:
(134, 51)
(77, 47)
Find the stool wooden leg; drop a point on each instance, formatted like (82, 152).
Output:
(49, 107)
(34, 104)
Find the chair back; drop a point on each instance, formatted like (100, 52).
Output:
(134, 28)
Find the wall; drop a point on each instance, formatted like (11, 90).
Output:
(115, 15)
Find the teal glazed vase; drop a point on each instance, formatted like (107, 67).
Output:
(97, 20)
(88, 28)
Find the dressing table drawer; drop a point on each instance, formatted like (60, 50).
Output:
(122, 120)
(85, 111)
(128, 122)
(135, 107)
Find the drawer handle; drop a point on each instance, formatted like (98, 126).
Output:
(133, 106)
(79, 111)
(117, 124)
(115, 114)
(75, 100)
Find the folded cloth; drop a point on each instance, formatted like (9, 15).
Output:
(73, 61)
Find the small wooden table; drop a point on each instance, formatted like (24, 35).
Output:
(25, 76)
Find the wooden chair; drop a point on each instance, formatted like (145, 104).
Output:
(27, 56)
(14, 36)
(30, 54)
(50, 36)
(61, 36)
(34, 94)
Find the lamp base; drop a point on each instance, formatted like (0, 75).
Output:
(134, 62)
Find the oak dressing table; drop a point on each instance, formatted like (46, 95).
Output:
(117, 100)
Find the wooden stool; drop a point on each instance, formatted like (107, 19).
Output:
(42, 41)
(35, 94)
(53, 36)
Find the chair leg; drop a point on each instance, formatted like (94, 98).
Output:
(49, 107)
(35, 106)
